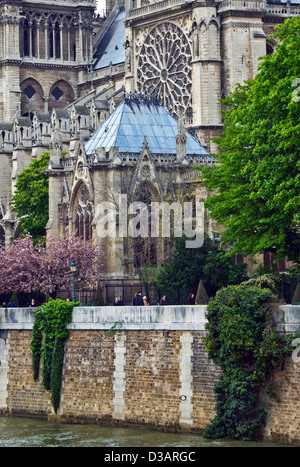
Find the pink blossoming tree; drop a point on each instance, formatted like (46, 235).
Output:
(55, 264)
(19, 267)
(25, 267)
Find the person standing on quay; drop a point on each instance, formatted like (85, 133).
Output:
(192, 299)
(138, 299)
(145, 301)
(163, 300)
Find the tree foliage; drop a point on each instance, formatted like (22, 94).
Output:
(57, 257)
(20, 268)
(255, 188)
(26, 267)
(243, 342)
(190, 265)
(31, 198)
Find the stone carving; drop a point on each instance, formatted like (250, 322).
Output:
(164, 67)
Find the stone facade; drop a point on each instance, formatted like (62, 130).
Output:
(194, 53)
(139, 376)
(54, 93)
(152, 371)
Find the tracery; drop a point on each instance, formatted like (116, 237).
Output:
(164, 68)
(84, 215)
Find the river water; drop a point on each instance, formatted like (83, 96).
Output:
(27, 432)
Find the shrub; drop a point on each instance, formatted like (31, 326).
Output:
(243, 343)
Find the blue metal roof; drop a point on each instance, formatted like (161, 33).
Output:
(112, 47)
(293, 2)
(135, 119)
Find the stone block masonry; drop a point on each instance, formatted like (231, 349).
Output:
(152, 370)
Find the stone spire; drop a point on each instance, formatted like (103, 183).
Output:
(180, 139)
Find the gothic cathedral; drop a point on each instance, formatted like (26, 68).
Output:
(126, 104)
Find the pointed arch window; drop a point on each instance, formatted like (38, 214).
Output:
(145, 249)
(84, 216)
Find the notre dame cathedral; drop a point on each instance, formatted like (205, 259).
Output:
(126, 104)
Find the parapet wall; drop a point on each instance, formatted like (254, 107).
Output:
(182, 318)
(152, 371)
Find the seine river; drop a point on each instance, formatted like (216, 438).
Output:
(26, 432)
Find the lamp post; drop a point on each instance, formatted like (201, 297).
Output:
(73, 270)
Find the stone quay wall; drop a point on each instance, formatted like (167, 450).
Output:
(151, 371)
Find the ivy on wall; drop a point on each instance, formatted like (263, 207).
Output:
(242, 341)
(47, 344)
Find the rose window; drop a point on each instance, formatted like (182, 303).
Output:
(164, 68)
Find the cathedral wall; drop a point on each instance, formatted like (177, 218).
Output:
(243, 42)
(44, 81)
(21, 161)
(150, 370)
(5, 175)
(108, 184)
(55, 226)
(10, 91)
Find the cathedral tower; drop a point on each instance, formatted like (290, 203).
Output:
(192, 53)
(44, 48)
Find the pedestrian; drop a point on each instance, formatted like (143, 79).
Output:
(32, 304)
(4, 305)
(145, 301)
(11, 304)
(138, 299)
(134, 298)
(192, 299)
(120, 301)
(163, 300)
(116, 302)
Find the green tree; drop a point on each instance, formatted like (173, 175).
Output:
(99, 300)
(255, 188)
(243, 343)
(31, 198)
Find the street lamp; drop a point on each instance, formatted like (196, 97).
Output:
(73, 270)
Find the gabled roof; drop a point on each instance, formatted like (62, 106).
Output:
(137, 118)
(112, 48)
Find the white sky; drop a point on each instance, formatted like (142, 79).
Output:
(100, 6)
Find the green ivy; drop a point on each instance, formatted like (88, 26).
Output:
(242, 341)
(115, 328)
(47, 344)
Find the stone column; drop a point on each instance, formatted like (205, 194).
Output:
(46, 40)
(53, 41)
(186, 378)
(4, 354)
(61, 41)
(119, 376)
(69, 45)
(30, 38)
(38, 39)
